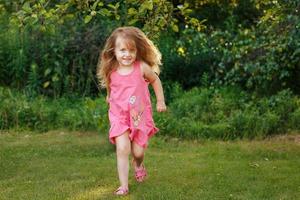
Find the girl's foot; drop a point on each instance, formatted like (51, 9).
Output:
(121, 191)
(140, 173)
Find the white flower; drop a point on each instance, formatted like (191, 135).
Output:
(132, 99)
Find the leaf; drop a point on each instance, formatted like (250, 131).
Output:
(132, 11)
(47, 72)
(194, 21)
(296, 53)
(70, 16)
(55, 78)
(149, 5)
(95, 5)
(117, 5)
(46, 84)
(42, 28)
(133, 21)
(175, 28)
(155, 28)
(51, 28)
(111, 6)
(161, 22)
(26, 7)
(105, 12)
(87, 19)
(56, 63)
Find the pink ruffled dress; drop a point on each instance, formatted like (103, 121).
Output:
(130, 107)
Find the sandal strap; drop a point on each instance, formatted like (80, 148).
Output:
(123, 191)
(140, 173)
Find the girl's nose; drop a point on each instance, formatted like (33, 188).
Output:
(126, 53)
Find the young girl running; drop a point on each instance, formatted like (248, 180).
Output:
(128, 63)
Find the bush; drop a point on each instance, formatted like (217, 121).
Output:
(40, 113)
(229, 113)
(294, 121)
(223, 113)
(192, 104)
(250, 124)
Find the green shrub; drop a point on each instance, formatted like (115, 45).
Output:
(229, 113)
(294, 121)
(250, 124)
(40, 113)
(192, 104)
(223, 113)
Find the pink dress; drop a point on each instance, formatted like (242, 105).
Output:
(130, 107)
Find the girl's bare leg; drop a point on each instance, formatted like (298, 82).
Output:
(138, 153)
(123, 146)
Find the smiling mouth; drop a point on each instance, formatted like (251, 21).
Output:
(127, 59)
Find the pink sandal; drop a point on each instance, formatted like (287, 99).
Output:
(121, 191)
(140, 174)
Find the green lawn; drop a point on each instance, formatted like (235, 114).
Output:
(73, 165)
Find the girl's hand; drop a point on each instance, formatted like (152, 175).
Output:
(107, 99)
(161, 106)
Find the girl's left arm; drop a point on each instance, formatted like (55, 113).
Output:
(157, 87)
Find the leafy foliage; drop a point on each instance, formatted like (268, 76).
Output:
(52, 47)
(262, 57)
(19, 111)
(64, 59)
(224, 113)
(229, 113)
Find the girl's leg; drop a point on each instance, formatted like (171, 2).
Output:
(123, 150)
(138, 153)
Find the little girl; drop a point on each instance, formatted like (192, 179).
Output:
(128, 63)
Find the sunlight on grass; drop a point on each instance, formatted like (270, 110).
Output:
(95, 193)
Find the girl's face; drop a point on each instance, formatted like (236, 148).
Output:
(125, 51)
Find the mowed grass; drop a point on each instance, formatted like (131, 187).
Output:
(82, 165)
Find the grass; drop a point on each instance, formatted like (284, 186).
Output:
(77, 165)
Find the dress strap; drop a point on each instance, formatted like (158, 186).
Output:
(137, 65)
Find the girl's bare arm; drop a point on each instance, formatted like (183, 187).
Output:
(157, 86)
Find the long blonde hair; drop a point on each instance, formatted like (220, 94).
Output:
(146, 51)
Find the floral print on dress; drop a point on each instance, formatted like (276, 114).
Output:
(136, 110)
(132, 99)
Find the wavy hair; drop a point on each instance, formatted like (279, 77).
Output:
(146, 51)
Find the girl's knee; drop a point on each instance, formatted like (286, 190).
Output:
(123, 149)
(123, 145)
(138, 153)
